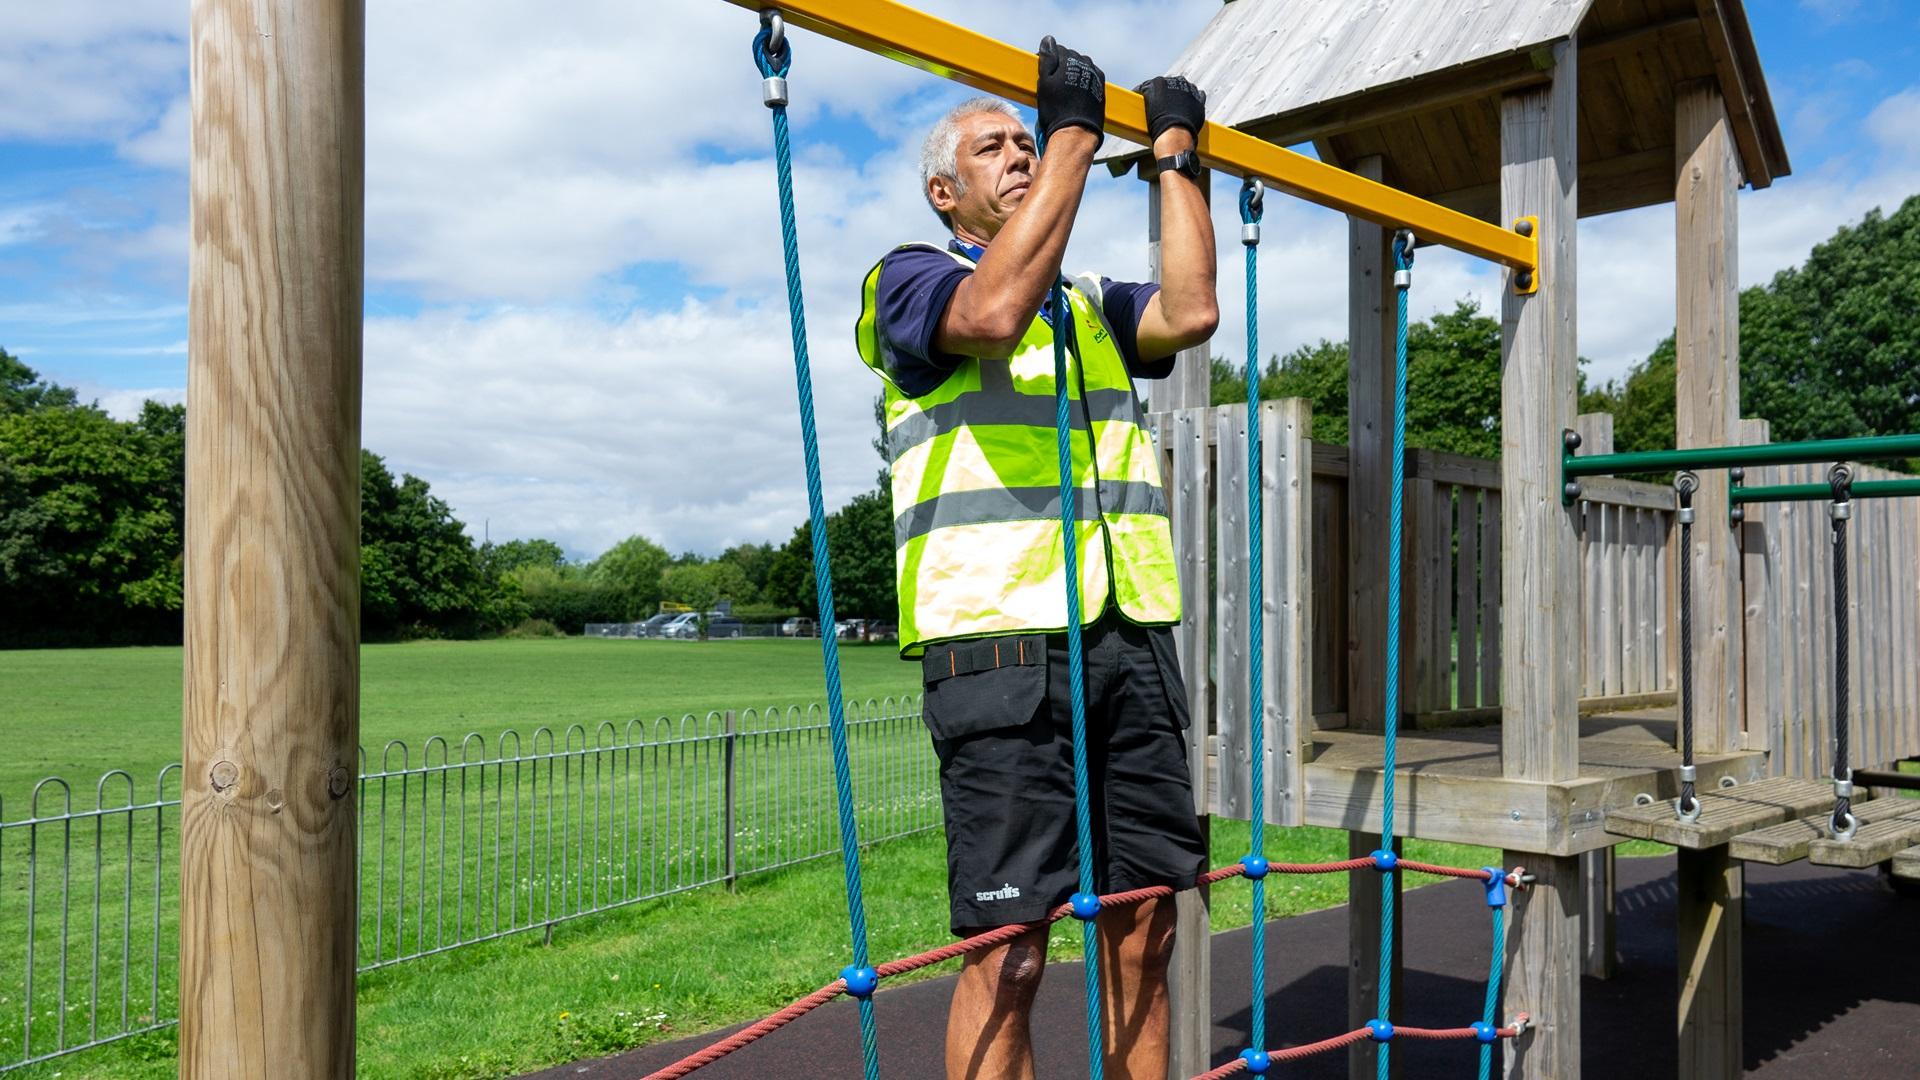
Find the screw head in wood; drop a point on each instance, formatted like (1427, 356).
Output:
(337, 781)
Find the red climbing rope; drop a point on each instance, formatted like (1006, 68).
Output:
(685, 1066)
(1358, 1035)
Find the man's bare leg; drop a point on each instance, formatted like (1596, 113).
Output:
(1136, 944)
(988, 1037)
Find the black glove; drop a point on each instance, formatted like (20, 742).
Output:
(1173, 102)
(1073, 91)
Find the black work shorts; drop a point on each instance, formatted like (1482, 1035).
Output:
(1002, 725)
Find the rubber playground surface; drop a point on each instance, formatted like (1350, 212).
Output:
(1832, 991)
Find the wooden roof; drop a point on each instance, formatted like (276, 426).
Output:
(1419, 82)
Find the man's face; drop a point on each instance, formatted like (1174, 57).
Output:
(994, 163)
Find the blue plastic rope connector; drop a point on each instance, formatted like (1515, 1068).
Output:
(1379, 1031)
(1496, 886)
(1385, 861)
(861, 981)
(1485, 1032)
(1254, 866)
(1258, 1061)
(1085, 905)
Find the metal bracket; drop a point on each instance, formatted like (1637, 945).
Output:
(1527, 282)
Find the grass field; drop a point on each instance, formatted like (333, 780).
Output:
(75, 713)
(656, 970)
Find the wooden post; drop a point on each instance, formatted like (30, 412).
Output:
(1707, 413)
(1543, 968)
(1370, 336)
(1189, 973)
(1363, 955)
(1540, 584)
(270, 712)
(1707, 392)
(1598, 951)
(1708, 914)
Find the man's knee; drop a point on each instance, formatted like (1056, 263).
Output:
(1014, 969)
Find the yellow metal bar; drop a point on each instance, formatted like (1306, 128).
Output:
(953, 52)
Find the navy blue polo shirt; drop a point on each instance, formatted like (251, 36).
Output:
(912, 294)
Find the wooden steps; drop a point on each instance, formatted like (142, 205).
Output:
(1874, 842)
(1906, 864)
(1790, 841)
(1724, 813)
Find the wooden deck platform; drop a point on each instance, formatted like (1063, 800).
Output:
(1790, 841)
(1449, 784)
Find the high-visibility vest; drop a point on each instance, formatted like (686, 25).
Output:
(976, 487)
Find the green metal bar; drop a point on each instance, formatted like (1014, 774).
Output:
(1865, 489)
(1724, 457)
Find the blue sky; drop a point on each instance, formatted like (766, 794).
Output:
(575, 320)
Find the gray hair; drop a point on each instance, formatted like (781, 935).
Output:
(940, 153)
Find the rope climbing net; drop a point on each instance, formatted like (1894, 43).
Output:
(773, 57)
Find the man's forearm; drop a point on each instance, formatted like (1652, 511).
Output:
(1188, 265)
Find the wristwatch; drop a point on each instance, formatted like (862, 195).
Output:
(1186, 163)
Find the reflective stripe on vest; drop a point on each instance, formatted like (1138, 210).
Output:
(976, 486)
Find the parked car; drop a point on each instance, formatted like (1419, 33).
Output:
(799, 627)
(652, 627)
(686, 626)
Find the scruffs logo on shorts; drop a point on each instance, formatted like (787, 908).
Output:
(1004, 892)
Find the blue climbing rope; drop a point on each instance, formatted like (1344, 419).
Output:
(1402, 281)
(1252, 197)
(774, 57)
(1086, 903)
(1493, 988)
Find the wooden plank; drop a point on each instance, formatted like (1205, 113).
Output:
(1330, 583)
(270, 712)
(1371, 328)
(1232, 609)
(1183, 433)
(1708, 916)
(1707, 393)
(1539, 549)
(1596, 437)
(1789, 841)
(1906, 864)
(1444, 468)
(1544, 948)
(1733, 81)
(1875, 842)
(1445, 555)
(1609, 598)
(1612, 491)
(1467, 600)
(1724, 813)
(1287, 491)
(1490, 596)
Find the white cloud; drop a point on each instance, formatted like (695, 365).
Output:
(87, 71)
(520, 165)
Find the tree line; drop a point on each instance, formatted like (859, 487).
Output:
(92, 522)
(1828, 349)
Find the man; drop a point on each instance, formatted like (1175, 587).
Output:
(962, 337)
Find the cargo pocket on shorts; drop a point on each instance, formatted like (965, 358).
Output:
(976, 686)
(1167, 660)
